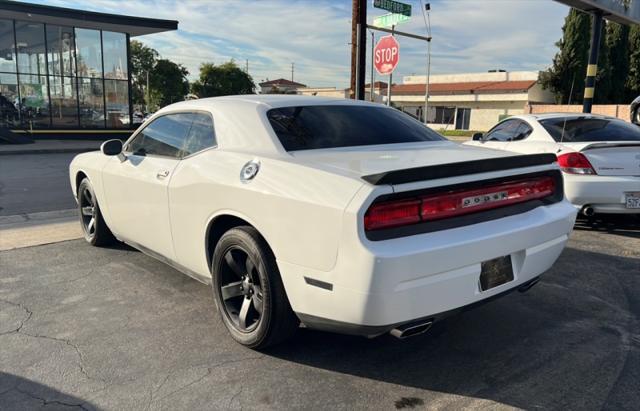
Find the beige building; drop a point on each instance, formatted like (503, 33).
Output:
(472, 101)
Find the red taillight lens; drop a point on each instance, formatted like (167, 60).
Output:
(575, 163)
(456, 203)
(392, 214)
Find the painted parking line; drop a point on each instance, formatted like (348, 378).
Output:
(27, 230)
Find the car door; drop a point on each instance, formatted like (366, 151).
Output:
(501, 135)
(136, 183)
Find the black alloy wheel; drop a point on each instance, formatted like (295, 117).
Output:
(248, 290)
(93, 225)
(241, 290)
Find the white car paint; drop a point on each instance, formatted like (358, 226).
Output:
(309, 206)
(617, 164)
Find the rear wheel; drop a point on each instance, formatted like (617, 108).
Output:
(94, 227)
(248, 290)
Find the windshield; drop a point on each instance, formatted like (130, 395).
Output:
(589, 129)
(330, 126)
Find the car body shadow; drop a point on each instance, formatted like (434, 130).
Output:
(627, 225)
(18, 393)
(566, 341)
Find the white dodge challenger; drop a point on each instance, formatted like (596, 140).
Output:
(346, 216)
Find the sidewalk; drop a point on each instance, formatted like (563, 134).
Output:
(27, 230)
(51, 146)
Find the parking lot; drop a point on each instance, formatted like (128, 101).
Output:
(115, 329)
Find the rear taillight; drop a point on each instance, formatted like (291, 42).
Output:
(575, 163)
(455, 203)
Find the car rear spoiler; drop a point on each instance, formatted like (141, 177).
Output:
(612, 144)
(410, 175)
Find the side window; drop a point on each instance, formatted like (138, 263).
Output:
(523, 131)
(164, 136)
(201, 135)
(504, 131)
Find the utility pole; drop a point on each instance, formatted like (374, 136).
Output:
(358, 51)
(390, 77)
(592, 68)
(373, 79)
(292, 68)
(246, 66)
(427, 18)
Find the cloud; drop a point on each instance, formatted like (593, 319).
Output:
(468, 35)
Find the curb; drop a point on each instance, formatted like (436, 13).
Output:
(30, 219)
(47, 151)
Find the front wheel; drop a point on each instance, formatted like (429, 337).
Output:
(248, 290)
(93, 225)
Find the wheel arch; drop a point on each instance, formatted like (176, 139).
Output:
(80, 175)
(220, 224)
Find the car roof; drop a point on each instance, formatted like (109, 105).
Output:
(269, 100)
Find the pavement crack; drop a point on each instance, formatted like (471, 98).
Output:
(234, 396)
(46, 402)
(23, 321)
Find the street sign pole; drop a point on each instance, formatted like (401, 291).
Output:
(390, 79)
(373, 80)
(359, 79)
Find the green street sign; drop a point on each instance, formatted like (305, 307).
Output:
(393, 6)
(388, 20)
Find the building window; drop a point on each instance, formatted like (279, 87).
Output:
(30, 45)
(88, 53)
(34, 101)
(60, 46)
(114, 46)
(91, 103)
(117, 96)
(441, 115)
(64, 103)
(9, 114)
(7, 49)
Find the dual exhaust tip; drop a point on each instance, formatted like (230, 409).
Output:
(411, 329)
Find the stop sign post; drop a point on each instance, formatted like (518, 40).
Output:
(386, 55)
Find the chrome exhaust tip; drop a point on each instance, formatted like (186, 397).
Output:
(588, 211)
(411, 329)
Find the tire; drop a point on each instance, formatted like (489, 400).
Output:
(95, 229)
(248, 290)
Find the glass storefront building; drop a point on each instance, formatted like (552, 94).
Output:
(64, 69)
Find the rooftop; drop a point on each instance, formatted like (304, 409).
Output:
(475, 87)
(282, 82)
(135, 26)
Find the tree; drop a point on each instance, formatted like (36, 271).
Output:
(143, 59)
(632, 85)
(222, 80)
(170, 81)
(612, 73)
(570, 63)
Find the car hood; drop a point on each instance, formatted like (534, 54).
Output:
(367, 160)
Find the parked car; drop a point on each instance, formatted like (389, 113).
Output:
(634, 111)
(599, 156)
(348, 216)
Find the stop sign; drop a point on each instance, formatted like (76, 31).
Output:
(386, 55)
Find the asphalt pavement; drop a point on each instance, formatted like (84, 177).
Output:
(110, 328)
(31, 183)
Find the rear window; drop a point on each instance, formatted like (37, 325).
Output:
(585, 129)
(314, 127)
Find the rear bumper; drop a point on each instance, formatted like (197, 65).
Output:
(378, 285)
(605, 194)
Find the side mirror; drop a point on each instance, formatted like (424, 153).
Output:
(111, 147)
(477, 136)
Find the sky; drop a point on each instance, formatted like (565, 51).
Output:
(468, 35)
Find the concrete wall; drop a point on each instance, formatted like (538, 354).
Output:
(323, 92)
(614, 110)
